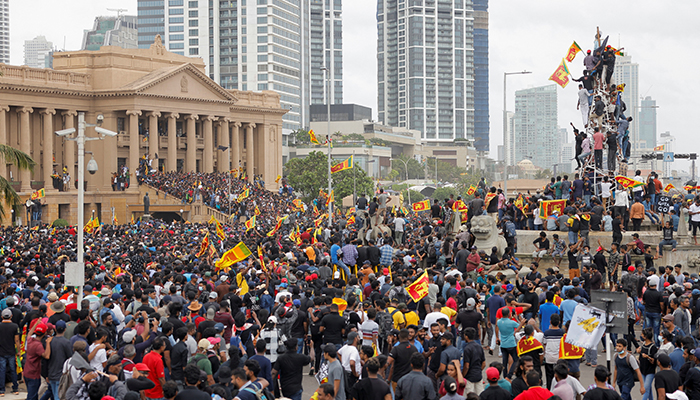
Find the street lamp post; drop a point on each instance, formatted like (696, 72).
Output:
(406, 165)
(92, 168)
(505, 135)
(327, 74)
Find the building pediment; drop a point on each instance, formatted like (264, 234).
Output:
(184, 81)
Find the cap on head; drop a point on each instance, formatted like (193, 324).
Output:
(492, 374)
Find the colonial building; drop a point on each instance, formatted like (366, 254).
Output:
(160, 103)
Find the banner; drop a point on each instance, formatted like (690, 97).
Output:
(39, 194)
(561, 75)
(421, 206)
(573, 50)
(547, 207)
(313, 138)
(239, 253)
(220, 231)
(419, 288)
(471, 190)
(257, 211)
(627, 182)
(587, 327)
(347, 164)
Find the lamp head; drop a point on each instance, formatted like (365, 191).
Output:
(100, 119)
(92, 166)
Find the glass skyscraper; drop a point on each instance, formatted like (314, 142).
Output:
(425, 74)
(535, 132)
(481, 75)
(278, 45)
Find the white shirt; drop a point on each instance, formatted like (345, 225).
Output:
(432, 318)
(621, 199)
(694, 208)
(638, 178)
(605, 189)
(536, 213)
(583, 98)
(398, 224)
(348, 353)
(99, 358)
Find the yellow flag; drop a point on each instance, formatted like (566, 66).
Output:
(250, 224)
(242, 284)
(239, 253)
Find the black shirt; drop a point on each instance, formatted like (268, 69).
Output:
(434, 364)
(370, 389)
(298, 325)
(361, 203)
(373, 255)
(542, 243)
(289, 366)
(8, 331)
(140, 383)
(601, 394)
(178, 360)
(470, 319)
(573, 262)
(495, 392)
(518, 386)
(474, 355)
(192, 393)
(652, 301)
(667, 379)
(333, 325)
(402, 356)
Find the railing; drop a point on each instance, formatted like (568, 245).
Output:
(45, 76)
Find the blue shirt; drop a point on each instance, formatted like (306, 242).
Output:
(265, 367)
(568, 306)
(546, 311)
(416, 343)
(493, 304)
(506, 330)
(334, 253)
(677, 359)
(675, 218)
(386, 253)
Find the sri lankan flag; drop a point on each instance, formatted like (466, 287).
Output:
(528, 344)
(132, 219)
(89, 226)
(488, 198)
(114, 220)
(316, 212)
(239, 253)
(320, 219)
(627, 182)
(351, 220)
(278, 225)
(659, 148)
(257, 210)
(561, 75)
(38, 194)
(351, 210)
(669, 187)
(547, 207)
(419, 289)
(220, 231)
(520, 203)
(347, 164)
(421, 205)
(459, 206)
(278, 178)
(244, 195)
(298, 204)
(250, 224)
(573, 50)
(242, 284)
(330, 199)
(342, 305)
(404, 210)
(471, 190)
(568, 351)
(204, 246)
(313, 138)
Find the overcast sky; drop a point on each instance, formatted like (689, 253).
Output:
(531, 35)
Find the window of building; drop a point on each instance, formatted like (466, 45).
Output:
(194, 32)
(194, 22)
(194, 42)
(193, 13)
(176, 28)
(177, 37)
(193, 4)
(262, 77)
(177, 46)
(171, 3)
(262, 57)
(194, 51)
(172, 20)
(176, 11)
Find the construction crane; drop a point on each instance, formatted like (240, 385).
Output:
(119, 11)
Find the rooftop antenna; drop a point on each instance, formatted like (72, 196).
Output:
(119, 11)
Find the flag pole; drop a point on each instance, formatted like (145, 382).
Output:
(327, 72)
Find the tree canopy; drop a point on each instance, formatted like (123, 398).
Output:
(308, 175)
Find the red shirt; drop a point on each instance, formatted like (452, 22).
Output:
(514, 311)
(598, 138)
(32, 367)
(535, 393)
(154, 361)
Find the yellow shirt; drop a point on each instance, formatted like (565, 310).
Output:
(449, 312)
(397, 316)
(411, 318)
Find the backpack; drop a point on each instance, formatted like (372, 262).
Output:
(385, 322)
(575, 225)
(260, 394)
(64, 383)
(627, 359)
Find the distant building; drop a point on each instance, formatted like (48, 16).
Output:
(566, 158)
(536, 136)
(425, 67)
(37, 52)
(481, 75)
(340, 112)
(647, 124)
(627, 72)
(669, 143)
(112, 31)
(5, 31)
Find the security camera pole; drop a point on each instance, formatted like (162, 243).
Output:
(81, 139)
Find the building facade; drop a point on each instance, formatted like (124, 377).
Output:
(481, 75)
(535, 131)
(112, 31)
(37, 52)
(669, 143)
(186, 114)
(340, 112)
(647, 124)
(425, 67)
(5, 31)
(278, 45)
(627, 72)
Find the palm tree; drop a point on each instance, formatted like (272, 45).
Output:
(24, 162)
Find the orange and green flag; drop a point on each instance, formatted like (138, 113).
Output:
(313, 138)
(627, 182)
(548, 207)
(573, 50)
(471, 190)
(38, 194)
(330, 199)
(250, 224)
(347, 164)
(238, 253)
(244, 195)
(561, 75)
(421, 206)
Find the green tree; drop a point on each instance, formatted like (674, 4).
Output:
(23, 162)
(301, 136)
(444, 193)
(310, 174)
(415, 196)
(415, 169)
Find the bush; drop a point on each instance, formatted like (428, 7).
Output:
(415, 196)
(60, 223)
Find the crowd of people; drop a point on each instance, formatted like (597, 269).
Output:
(160, 320)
